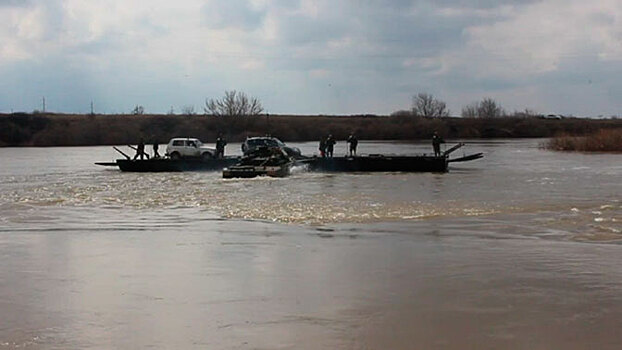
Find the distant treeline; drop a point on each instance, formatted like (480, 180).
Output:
(46, 129)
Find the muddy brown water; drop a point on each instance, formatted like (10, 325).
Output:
(518, 250)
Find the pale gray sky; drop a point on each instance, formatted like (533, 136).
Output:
(311, 56)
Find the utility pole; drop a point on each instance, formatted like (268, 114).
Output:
(92, 113)
(43, 104)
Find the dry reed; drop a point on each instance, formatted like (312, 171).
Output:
(604, 140)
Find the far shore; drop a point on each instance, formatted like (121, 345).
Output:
(51, 129)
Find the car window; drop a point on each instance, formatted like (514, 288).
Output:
(190, 144)
(178, 143)
(272, 143)
(253, 143)
(256, 143)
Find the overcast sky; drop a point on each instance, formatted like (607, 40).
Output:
(311, 56)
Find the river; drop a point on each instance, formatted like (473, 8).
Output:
(518, 250)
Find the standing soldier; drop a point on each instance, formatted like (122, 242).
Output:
(436, 144)
(155, 149)
(140, 150)
(322, 147)
(353, 141)
(220, 146)
(330, 145)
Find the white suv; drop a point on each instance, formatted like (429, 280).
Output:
(178, 148)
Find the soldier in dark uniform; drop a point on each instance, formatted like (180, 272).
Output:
(322, 147)
(436, 144)
(140, 150)
(155, 149)
(330, 145)
(353, 141)
(220, 146)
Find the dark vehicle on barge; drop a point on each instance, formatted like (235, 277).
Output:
(261, 161)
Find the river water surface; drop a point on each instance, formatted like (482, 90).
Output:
(518, 250)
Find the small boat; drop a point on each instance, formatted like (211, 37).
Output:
(263, 161)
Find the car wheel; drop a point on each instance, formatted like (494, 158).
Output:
(175, 155)
(207, 156)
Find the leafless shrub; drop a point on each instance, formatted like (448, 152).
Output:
(138, 110)
(527, 113)
(487, 108)
(470, 111)
(188, 110)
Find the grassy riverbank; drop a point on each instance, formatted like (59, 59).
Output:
(601, 141)
(21, 129)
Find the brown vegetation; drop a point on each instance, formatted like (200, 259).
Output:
(609, 140)
(22, 129)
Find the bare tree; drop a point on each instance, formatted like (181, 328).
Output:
(470, 111)
(527, 113)
(138, 110)
(489, 108)
(188, 110)
(426, 105)
(235, 104)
